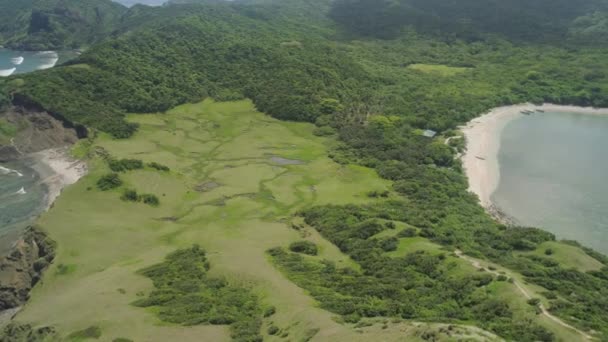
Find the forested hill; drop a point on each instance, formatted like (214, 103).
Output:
(56, 24)
(523, 20)
(375, 96)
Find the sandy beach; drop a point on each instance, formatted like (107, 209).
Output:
(482, 134)
(57, 170)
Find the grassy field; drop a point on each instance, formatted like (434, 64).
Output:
(568, 256)
(236, 178)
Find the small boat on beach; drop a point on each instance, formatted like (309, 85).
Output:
(480, 158)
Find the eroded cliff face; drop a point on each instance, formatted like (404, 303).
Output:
(22, 268)
(36, 130)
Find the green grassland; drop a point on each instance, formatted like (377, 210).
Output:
(103, 241)
(236, 179)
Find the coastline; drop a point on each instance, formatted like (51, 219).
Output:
(57, 170)
(483, 135)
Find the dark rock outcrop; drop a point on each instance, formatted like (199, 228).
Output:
(37, 131)
(14, 332)
(22, 268)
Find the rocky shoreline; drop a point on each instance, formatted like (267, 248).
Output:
(22, 268)
(45, 141)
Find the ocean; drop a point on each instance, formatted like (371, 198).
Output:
(22, 196)
(553, 169)
(19, 62)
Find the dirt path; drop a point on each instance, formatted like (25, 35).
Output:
(475, 263)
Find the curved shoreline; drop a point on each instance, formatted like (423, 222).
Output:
(483, 135)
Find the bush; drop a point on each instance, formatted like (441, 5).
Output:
(533, 301)
(548, 251)
(150, 199)
(271, 310)
(129, 195)
(109, 182)
(304, 247)
(159, 167)
(407, 232)
(273, 330)
(123, 165)
(92, 332)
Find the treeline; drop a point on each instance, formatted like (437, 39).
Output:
(53, 24)
(521, 20)
(212, 52)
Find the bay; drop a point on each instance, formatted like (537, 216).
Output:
(553, 169)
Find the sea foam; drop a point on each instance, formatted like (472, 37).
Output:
(7, 72)
(50, 58)
(6, 171)
(17, 60)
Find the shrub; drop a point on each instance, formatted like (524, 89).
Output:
(271, 310)
(109, 182)
(159, 167)
(304, 247)
(407, 232)
(150, 199)
(123, 165)
(548, 251)
(390, 225)
(533, 301)
(93, 332)
(389, 244)
(501, 277)
(129, 195)
(273, 330)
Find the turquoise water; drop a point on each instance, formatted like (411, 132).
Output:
(553, 169)
(21, 193)
(19, 62)
(22, 196)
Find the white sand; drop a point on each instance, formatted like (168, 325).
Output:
(480, 161)
(58, 170)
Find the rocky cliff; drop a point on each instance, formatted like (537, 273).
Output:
(22, 268)
(34, 131)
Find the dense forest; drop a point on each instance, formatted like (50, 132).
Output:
(350, 68)
(56, 24)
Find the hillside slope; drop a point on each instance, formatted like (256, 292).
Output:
(56, 24)
(373, 250)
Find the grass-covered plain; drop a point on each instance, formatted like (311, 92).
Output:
(257, 185)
